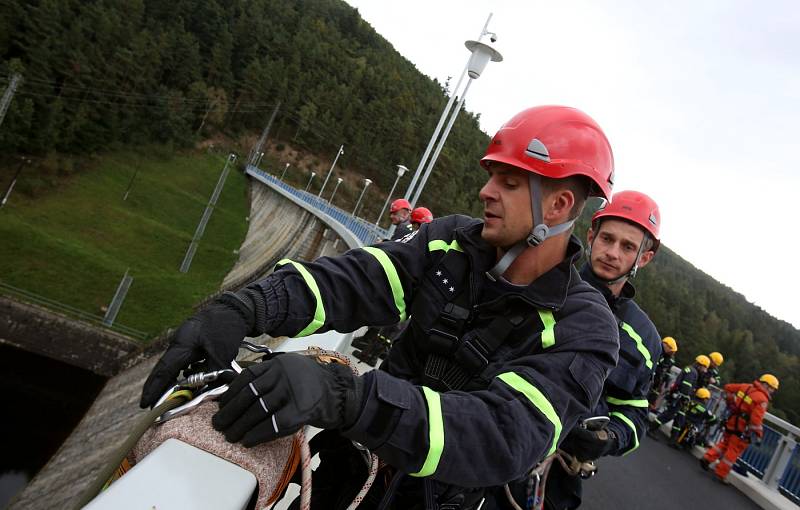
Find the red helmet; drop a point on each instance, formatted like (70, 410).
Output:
(635, 207)
(421, 215)
(557, 142)
(400, 203)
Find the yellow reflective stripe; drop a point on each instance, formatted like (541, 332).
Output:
(539, 401)
(438, 244)
(629, 423)
(748, 400)
(639, 343)
(394, 279)
(632, 403)
(319, 311)
(549, 332)
(435, 433)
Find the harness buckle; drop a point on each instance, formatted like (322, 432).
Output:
(441, 341)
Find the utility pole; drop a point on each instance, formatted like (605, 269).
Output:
(201, 226)
(257, 149)
(22, 163)
(8, 94)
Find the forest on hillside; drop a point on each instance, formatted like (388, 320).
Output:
(99, 74)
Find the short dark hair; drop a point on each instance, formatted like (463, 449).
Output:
(577, 184)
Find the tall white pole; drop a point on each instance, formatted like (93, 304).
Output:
(309, 180)
(338, 182)
(435, 156)
(341, 151)
(389, 196)
(438, 129)
(367, 182)
(284, 171)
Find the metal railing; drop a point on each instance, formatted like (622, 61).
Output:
(50, 304)
(367, 233)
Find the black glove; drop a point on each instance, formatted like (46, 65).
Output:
(589, 444)
(214, 334)
(278, 396)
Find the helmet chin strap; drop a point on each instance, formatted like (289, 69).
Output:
(538, 234)
(631, 272)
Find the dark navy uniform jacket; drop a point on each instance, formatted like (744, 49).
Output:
(401, 230)
(625, 392)
(686, 382)
(535, 387)
(705, 379)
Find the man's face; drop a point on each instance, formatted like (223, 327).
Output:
(702, 369)
(399, 216)
(614, 248)
(506, 206)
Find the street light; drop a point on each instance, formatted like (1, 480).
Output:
(481, 55)
(258, 161)
(284, 171)
(400, 171)
(309, 181)
(367, 182)
(341, 151)
(418, 172)
(338, 182)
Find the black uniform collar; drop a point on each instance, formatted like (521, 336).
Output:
(614, 302)
(548, 291)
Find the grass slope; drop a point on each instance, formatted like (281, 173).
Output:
(74, 244)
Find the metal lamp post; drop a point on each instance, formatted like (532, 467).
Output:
(284, 171)
(258, 161)
(338, 182)
(367, 182)
(418, 172)
(400, 171)
(309, 181)
(481, 55)
(341, 151)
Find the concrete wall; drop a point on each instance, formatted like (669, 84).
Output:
(278, 229)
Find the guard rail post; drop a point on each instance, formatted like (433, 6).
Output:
(780, 459)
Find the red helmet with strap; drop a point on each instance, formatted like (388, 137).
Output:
(635, 207)
(400, 203)
(421, 215)
(557, 142)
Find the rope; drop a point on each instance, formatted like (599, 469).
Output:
(373, 472)
(121, 452)
(305, 466)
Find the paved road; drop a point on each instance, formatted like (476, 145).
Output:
(657, 477)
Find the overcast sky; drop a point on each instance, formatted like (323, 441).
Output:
(700, 101)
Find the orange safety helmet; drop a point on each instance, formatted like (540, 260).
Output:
(635, 207)
(557, 142)
(400, 203)
(421, 215)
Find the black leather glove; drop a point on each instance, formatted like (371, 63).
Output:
(278, 396)
(589, 444)
(214, 334)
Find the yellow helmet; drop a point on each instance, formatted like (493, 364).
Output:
(770, 380)
(717, 358)
(702, 393)
(702, 359)
(670, 342)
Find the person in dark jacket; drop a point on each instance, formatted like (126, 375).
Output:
(681, 392)
(400, 214)
(711, 376)
(697, 419)
(662, 372)
(623, 238)
(505, 350)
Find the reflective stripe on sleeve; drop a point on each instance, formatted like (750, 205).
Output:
(630, 424)
(319, 311)
(435, 433)
(394, 279)
(438, 244)
(639, 343)
(632, 403)
(549, 332)
(539, 401)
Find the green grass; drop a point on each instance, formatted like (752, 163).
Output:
(73, 244)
